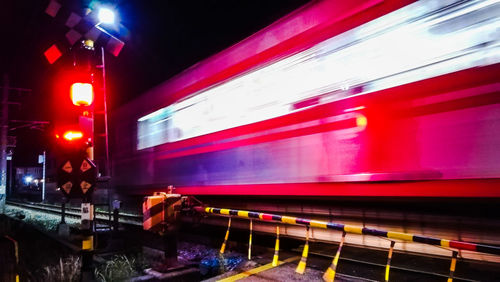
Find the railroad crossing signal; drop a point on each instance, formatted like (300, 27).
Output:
(77, 178)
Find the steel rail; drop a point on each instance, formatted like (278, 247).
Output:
(454, 244)
(125, 218)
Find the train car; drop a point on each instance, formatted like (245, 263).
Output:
(339, 98)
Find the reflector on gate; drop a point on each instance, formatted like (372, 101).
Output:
(67, 167)
(85, 166)
(85, 186)
(67, 187)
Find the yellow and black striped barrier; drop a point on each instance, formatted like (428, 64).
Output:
(389, 258)
(223, 247)
(460, 245)
(329, 275)
(153, 209)
(276, 247)
(250, 241)
(301, 267)
(160, 209)
(453, 265)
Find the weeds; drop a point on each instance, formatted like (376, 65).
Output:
(119, 268)
(68, 269)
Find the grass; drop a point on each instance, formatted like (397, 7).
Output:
(120, 267)
(68, 269)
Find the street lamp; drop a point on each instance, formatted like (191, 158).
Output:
(106, 16)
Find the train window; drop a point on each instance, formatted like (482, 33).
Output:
(417, 42)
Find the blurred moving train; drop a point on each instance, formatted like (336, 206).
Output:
(339, 98)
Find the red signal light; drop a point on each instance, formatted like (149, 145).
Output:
(82, 94)
(72, 135)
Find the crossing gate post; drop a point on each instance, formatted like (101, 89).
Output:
(63, 227)
(9, 259)
(160, 213)
(329, 275)
(453, 265)
(301, 267)
(250, 241)
(223, 246)
(116, 216)
(389, 258)
(277, 246)
(87, 228)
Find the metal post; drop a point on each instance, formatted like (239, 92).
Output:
(62, 227)
(3, 142)
(63, 211)
(116, 216)
(87, 228)
(43, 176)
(87, 272)
(108, 169)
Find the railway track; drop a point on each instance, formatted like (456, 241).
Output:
(356, 263)
(124, 218)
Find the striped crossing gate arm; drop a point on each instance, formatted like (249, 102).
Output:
(460, 245)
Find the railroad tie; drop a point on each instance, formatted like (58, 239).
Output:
(453, 265)
(301, 267)
(389, 257)
(250, 241)
(329, 275)
(276, 247)
(223, 247)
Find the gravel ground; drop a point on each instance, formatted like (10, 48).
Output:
(44, 221)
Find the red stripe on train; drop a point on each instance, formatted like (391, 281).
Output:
(480, 188)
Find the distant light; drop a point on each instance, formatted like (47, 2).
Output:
(28, 179)
(106, 16)
(71, 135)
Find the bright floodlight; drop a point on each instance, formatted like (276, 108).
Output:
(106, 16)
(28, 179)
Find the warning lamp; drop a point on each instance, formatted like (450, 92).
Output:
(82, 94)
(72, 135)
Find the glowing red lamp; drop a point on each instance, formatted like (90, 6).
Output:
(72, 135)
(82, 94)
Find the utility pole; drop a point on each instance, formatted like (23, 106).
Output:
(4, 128)
(4, 124)
(43, 175)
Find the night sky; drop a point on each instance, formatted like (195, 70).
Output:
(165, 37)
